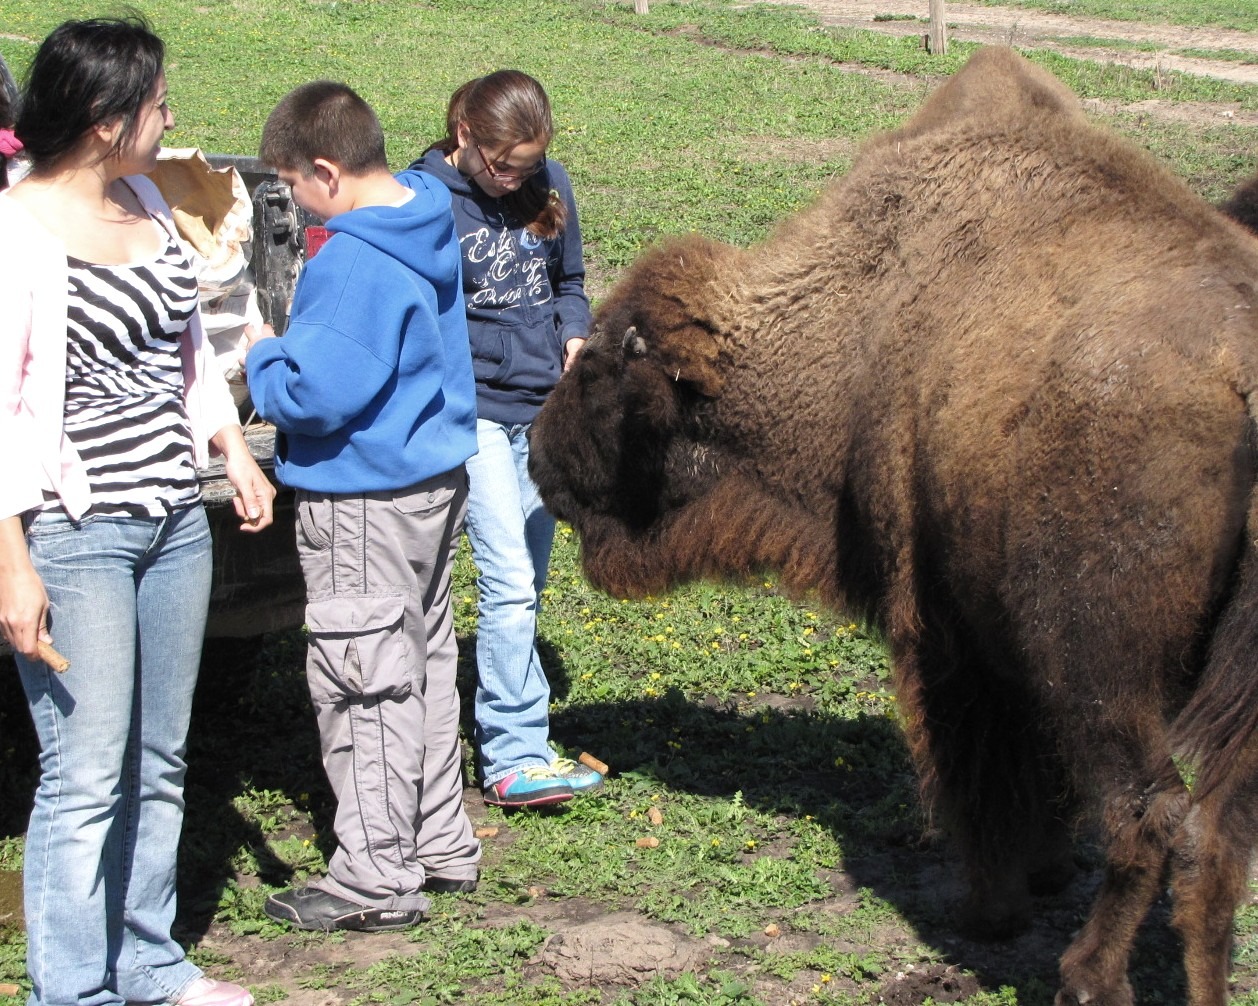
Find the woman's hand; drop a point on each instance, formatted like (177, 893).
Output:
(23, 600)
(255, 495)
(570, 350)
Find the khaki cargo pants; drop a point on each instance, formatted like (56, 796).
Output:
(381, 669)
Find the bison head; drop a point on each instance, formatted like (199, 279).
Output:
(624, 449)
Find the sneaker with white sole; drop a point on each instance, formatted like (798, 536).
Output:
(311, 908)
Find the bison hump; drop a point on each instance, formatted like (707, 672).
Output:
(995, 86)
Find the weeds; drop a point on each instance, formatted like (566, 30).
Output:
(759, 780)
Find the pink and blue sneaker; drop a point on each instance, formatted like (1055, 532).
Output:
(531, 786)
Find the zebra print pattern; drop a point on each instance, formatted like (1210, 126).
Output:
(124, 410)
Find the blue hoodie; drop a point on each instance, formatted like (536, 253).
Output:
(371, 385)
(525, 295)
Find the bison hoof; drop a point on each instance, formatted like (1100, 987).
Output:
(1078, 995)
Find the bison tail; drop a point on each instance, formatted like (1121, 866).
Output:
(1220, 718)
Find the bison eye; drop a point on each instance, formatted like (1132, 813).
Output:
(633, 343)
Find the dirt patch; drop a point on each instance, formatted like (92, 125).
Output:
(942, 983)
(618, 949)
(1027, 28)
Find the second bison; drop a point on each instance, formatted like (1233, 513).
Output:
(997, 388)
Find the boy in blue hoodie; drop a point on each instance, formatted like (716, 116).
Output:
(372, 392)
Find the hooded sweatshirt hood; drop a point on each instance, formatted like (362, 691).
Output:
(392, 230)
(525, 294)
(371, 385)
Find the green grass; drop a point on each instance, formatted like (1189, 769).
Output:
(1237, 14)
(748, 776)
(1121, 44)
(758, 106)
(1223, 55)
(1127, 45)
(753, 739)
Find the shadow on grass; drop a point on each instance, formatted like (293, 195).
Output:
(253, 732)
(253, 729)
(19, 753)
(854, 777)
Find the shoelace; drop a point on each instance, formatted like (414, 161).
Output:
(535, 772)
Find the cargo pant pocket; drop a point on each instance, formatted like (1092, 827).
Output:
(434, 494)
(358, 648)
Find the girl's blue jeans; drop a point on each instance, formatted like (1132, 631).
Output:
(128, 599)
(511, 535)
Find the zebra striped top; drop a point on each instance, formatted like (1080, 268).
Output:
(124, 407)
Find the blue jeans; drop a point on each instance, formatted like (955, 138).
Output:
(128, 599)
(511, 534)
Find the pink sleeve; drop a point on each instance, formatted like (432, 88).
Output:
(21, 487)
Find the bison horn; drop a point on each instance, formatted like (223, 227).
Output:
(633, 343)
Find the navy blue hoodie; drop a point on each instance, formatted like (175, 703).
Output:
(371, 386)
(525, 295)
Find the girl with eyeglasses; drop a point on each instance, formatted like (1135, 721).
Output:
(528, 316)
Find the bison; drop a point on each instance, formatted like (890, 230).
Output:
(996, 388)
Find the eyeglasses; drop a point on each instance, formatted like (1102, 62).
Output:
(508, 173)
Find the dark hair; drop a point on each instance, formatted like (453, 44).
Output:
(504, 109)
(8, 97)
(323, 119)
(84, 74)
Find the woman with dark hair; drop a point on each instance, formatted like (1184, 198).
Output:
(109, 401)
(527, 317)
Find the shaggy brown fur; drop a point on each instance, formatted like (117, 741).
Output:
(996, 388)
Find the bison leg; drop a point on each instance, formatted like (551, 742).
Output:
(1052, 865)
(1138, 824)
(990, 774)
(1209, 864)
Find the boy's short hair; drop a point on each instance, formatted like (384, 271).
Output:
(323, 119)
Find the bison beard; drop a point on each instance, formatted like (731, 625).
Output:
(996, 388)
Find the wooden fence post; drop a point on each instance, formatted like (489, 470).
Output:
(641, 6)
(937, 42)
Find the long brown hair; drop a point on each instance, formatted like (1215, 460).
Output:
(504, 109)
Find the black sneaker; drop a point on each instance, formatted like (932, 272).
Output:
(447, 885)
(311, 908)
